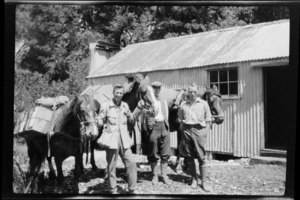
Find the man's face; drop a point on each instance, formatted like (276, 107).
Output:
(118, 94)
(156, 91)
(192, 92)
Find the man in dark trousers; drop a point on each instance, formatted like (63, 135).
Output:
(158, 136)
(195, 117)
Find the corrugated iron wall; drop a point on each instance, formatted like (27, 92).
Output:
(242, 132)
(249, 113)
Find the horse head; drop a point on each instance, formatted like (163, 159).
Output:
(85, 107)
(214, 100)
(145, 91)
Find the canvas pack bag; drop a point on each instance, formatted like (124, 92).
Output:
(39, 119)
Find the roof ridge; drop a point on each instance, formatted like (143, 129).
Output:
(218, 30)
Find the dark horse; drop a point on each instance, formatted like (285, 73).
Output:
(75, 126)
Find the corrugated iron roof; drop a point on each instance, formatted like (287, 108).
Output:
(247, 43)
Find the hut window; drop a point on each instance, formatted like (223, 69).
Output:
(226, 80)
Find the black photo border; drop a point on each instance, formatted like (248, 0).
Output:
(8, 96)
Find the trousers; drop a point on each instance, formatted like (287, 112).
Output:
(129, 162)
(159, 143)
(192, 144)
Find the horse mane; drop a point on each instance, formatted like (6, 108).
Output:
(66, 114)
(128, 87)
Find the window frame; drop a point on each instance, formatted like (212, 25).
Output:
(227, 96)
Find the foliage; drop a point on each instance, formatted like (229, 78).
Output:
(52, 50)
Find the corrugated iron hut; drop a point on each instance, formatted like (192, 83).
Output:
(249, 64)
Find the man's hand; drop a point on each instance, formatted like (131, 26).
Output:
(127, 113)
(209, 124)
(99, 122)
(141, 104)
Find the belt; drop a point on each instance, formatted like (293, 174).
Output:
(192, 125)
(159, 122)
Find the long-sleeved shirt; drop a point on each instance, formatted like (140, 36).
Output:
(114, 118)
(197, 112)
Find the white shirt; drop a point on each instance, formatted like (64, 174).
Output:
(159, 116)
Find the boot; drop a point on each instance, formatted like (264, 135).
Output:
(206, 187)
(154, 168)
(164, 167)
(192, 170)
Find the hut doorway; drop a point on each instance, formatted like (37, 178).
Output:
(279, 118)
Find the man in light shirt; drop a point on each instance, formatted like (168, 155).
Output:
(195, 117)
(158, 136)
(114, 116)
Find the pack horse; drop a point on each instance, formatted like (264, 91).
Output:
(73, 126)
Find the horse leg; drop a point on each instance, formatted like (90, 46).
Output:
(32, 152)
(52, 171)
(34, 165)
(78, 161)
(60, 176)
(94, 166)
(35, 173)
(178, 168)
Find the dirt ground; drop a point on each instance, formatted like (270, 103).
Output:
(233, 177)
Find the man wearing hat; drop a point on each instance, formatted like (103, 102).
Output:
(159, 136)
(195, 117)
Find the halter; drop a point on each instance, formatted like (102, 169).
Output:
(82, 123)
(213, 116)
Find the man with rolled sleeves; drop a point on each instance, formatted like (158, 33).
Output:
(195, 117)
(114, 115)
(159, 137)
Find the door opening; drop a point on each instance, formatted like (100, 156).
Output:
(279, 88)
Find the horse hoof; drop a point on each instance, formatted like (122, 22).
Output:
(60, 181)
(94, 168)
(52, 176)
(76, 189)
(58, 190)
(81, 172)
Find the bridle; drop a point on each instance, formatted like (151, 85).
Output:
(85, 123)
(215, 117)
